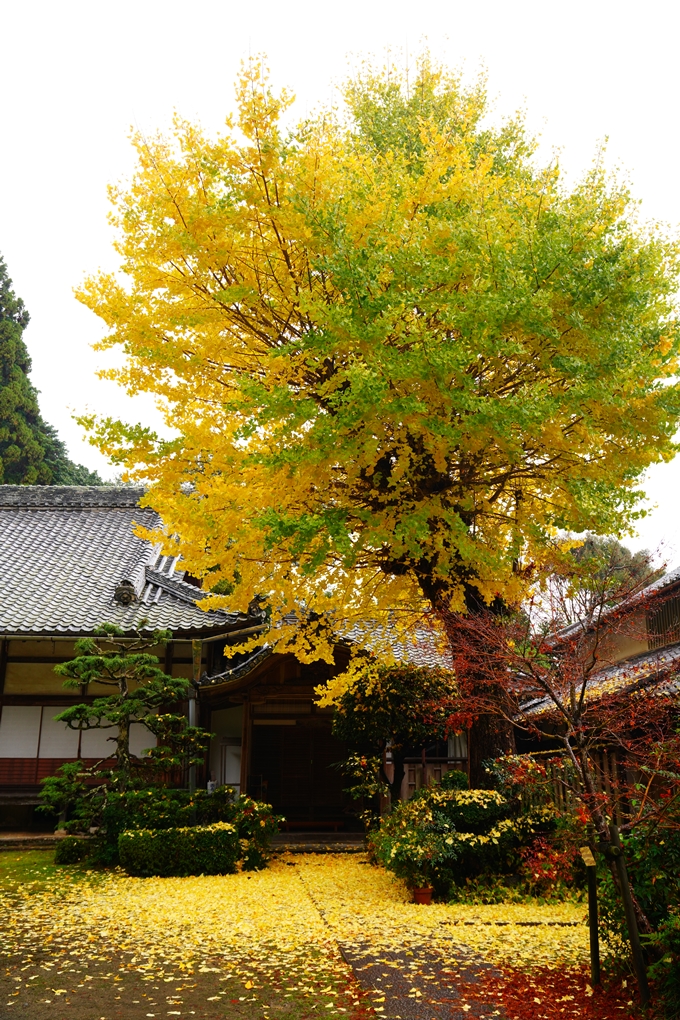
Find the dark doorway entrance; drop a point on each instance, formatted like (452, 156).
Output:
(291, 767)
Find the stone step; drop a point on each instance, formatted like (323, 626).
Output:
(318, 842)
(318, 848)
(29, 840)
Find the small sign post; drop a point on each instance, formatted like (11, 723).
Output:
(591, 872)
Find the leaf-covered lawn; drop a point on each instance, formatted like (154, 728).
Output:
(288, 942)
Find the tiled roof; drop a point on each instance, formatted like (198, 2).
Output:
(424, 649)
(421, 646)
(656, 672)
(65, 496)
(657, 668)
(65, 549)
(664, 584)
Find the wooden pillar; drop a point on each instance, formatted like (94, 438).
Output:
(245, 746)
(167, 664)
(196, 656)
(4, 649)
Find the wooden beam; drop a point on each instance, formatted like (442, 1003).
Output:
(38, 658)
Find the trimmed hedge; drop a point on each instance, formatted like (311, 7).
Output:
(111, 813)
(71, 850)
(195, 850)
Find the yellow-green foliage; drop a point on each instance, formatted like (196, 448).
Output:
(394, 351)
(442, 836)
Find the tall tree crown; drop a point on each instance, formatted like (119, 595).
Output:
(395, 352)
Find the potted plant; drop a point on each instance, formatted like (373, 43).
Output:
(416, 849)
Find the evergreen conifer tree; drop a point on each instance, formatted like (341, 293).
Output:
(31, 452)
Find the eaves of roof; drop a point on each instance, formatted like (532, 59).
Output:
(231, 677)
(659, 669)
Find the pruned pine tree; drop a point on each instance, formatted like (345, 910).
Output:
(142, 693)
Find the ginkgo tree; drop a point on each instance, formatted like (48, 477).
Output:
(394, 352)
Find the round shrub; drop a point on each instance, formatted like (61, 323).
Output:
(467, 810)
(71, 850)
(445, 837)
(454, 779)
(420, 856)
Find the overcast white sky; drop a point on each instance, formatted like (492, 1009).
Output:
(74, 76)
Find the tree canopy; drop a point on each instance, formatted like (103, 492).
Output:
(395, 352)
(594, 575)
(31, 452)
(397, 708)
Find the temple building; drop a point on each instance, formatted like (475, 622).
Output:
(70, 561)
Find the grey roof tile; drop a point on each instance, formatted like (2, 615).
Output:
(421, 647)
(655, 672)
(63, 551)
(64, 496)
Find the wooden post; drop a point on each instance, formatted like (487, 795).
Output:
(591, 872)
(245, 746)
(631, 920)
(4, 649)
(467, 763)
(167, 663)
(196, 655)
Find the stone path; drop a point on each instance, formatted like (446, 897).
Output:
(416, 981)
(417, 984)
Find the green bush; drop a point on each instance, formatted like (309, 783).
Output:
(446, 837)
(416, 845)
(665, 942)
(193, 850)
(71, 850)
(454, 779)
(112, 812)
(254, 856)
(652, 854)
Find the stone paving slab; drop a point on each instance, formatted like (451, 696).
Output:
(29, 840)
(318, 848)
(413, 984)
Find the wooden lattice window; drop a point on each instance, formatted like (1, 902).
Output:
(663, 623)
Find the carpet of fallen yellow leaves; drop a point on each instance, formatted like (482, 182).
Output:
(360, 902)
(297, 917)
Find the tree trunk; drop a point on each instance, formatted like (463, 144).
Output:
(397, 778)
(490, 736)
(123, 750)
(398, 774)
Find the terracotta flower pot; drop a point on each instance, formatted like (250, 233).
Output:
(422, 894)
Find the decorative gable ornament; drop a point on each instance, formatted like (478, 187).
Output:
(125, 593)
